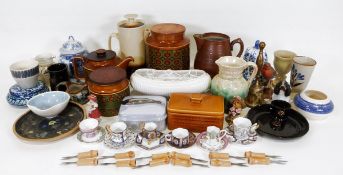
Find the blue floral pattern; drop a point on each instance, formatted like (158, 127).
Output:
(296, 77)
(251, 54)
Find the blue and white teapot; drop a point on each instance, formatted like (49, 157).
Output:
(69, 50)
(251, 54)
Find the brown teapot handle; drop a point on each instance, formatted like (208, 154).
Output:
(241, 48)
(76, 68)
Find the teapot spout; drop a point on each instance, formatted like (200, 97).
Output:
(199, 40)
(125, 62)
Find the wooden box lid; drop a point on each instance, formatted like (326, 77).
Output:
(201, 104)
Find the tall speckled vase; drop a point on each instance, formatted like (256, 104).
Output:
(230, 82)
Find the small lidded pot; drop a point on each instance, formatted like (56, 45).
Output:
(167, 48)
(110, 86)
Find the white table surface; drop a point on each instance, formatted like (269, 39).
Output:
(308, 28)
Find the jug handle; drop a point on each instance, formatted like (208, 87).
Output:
(241, 46)
(76, 68)
(113, 35)
(251, 78)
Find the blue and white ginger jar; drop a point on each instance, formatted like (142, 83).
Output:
(251, 54)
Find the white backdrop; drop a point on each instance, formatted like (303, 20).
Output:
(307, 27)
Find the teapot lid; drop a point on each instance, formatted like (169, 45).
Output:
(72, 46)
(113, 75)
(101, 55)
(131, 21)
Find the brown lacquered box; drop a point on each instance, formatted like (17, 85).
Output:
(195, 111)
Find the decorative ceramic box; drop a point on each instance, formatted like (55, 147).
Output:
(195, 111)
(135, 111)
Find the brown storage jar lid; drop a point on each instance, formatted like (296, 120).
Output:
(107, 75)
(200, 104)
(101, 55)
(167, 33)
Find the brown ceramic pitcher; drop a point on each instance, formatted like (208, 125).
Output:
(212, 46)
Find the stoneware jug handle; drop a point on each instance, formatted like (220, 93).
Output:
(76, 67)
(254, 71)
(241, 46)
(113, 35)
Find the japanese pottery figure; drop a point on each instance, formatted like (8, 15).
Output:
(131, 40)
(25, 73)
(230, 82)
(92, 107)
(283, 61)
(110, 86)
(251, 54)
(78, 91)
(68, 51)
(235, 109)
(98, 59)
(212, 46)
(282, 91)
(167, 48)
(301, 72)
(44, 61)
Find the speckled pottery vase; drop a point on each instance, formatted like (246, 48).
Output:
(230, 82)
(251, 54)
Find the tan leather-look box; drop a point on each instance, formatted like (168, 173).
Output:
(195, 111)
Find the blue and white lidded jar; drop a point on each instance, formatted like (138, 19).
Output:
(69, 50)
(251, 54)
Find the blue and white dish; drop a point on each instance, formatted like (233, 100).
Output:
(25, 73)
(251, 54)
(313, 104)
(68, 51)
(49, 104)
(18, 96)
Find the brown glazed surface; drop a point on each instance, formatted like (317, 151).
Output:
(195, 111)
(212, 46)
(167, 48)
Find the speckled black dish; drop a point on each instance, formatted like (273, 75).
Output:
(31, 127)
(295, 126)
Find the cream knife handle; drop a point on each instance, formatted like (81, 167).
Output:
(126, 163)
(181, 162)
(252, 154)
(160, 155)
(222, 163)
(176, 155)
(125, 155)
(87, 162)
(258, 160)
(157, 162)
(214, 155)
(88, 154)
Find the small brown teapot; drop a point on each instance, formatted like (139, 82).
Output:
(97, 59)
(212, 46)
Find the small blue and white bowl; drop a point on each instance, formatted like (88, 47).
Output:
(18, 96)
(25, 73)
(49, 104)
(313, 104)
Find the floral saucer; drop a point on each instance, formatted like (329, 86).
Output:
(129, 141)
(99, 137)
(192, 140)
(251, 139)
(204, 142)
(18, 96)
(150, 144)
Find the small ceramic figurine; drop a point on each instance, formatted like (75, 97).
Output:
(92, 107)
(268, 73)
(235, 109)
(282, 91)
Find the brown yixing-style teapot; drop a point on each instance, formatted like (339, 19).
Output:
(98, 59)
(212, 46)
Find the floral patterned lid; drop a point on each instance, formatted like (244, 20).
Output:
(72, 46)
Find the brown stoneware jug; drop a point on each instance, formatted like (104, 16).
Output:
(212, 46)
(98, 59)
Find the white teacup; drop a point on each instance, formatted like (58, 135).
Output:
(242, 127)
(118, 131)
(214, 134)
(179, 137)
(88, 127)
(25, 73)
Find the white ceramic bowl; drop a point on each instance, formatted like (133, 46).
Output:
(313, 104)
(25, 73)
(49, 104)
(164, 82)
